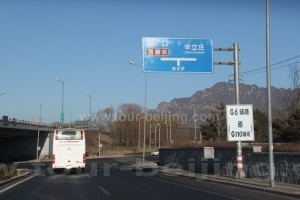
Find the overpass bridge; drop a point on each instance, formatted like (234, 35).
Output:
(24, 140)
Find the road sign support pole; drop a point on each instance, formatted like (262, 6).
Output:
(240, 170)
(38, 145)
(99, 144)
(239, 158)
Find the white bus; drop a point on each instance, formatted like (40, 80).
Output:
(68, 149)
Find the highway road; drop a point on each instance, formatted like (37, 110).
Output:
(115, 178)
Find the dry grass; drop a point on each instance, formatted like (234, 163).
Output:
(117, 151)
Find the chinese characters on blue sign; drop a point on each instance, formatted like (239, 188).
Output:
(191, 55)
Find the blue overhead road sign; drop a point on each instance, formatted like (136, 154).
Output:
(189, 55)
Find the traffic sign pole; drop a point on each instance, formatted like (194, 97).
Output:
(240, 170)
(239, 157)
(189, 55)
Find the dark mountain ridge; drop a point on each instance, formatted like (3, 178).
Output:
(206, 100)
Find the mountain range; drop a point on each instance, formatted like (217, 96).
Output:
(203, 102)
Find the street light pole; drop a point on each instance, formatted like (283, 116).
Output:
(70, 118)
(158, 135)
(99, 144)
(195, 122)
(139, 142)
(62, 100)
(170, 126)
(145, 110)
(268, 69)
(150, 137)
(90, 124)
(166, 122)
(40, 120)
(155, 137)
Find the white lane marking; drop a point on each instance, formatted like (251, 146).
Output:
(104, 190)
(11, 186)
(190, 187)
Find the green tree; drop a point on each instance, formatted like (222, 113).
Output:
(208, 131)
(279, 126)
(260, 125)
(292, 133)
(288, 130)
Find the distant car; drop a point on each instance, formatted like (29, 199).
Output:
(155, 153)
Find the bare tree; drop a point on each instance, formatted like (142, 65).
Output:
(293, 95)
(218, 119)
(127, 124)
(104, 119)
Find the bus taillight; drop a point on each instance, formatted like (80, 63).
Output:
(84, 158)
(53, 159)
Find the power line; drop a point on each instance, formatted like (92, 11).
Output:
(287, 65)
(258, 70)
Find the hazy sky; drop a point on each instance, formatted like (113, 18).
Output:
(88, 43)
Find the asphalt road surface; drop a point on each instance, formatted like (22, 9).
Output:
(115, 178)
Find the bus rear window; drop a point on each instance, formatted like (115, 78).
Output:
(68, 135)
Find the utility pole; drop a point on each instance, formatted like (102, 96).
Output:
(240, 170)
(62, 115)
(145, 111)
(40, 120)
(150, 137)
(195, 123)
(90, 118)
(155, 137)
(170, 126)
(158, 135)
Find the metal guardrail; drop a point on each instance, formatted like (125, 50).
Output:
(18, 122)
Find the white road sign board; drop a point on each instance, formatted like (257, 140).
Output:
(240, 126)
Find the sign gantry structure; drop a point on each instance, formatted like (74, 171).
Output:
(195, 55)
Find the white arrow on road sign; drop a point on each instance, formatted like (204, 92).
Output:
(178, 60)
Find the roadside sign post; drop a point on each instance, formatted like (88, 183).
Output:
(240, 127)
(5, 120)
(189, 55)
(240, 172)
(175, 55)
(240, 169)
